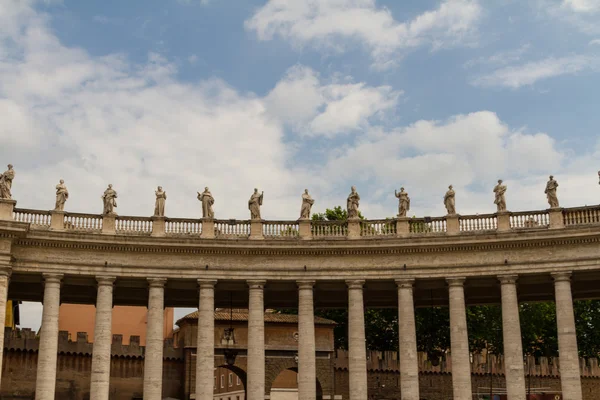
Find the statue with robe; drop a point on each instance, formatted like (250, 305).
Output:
(352, 203)
(161, 199)
(6, 183)
(207, 200)
(449, 201)
(254, 204)
(62, 194)
(403, 202)
(550, 191)
(307, 203)
(500, 200)
(109, 199)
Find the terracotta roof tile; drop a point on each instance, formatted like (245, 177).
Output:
(242, 316)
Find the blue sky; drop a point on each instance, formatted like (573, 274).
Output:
(285, 95)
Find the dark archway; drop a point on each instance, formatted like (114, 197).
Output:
(285, 385)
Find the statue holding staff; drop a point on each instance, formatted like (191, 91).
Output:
(449, 201)
(307, 203)
(161, 199)
(254, 204)
(109, 199)
(403, 202)
(550, 191)
(62, 194)
(500, 200)
(6, 183)
(207, 200)
(352, 203)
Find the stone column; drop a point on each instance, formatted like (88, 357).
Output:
(100, 381)
(357, 350)
(513, 348)
(205, 353)
(409, 362)
(307, 367)
(255, 389)
(4, 279)
(459, 341)
(153, 356)
(570, 376)
(45, 383)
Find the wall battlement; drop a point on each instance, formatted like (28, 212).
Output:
(27, 340)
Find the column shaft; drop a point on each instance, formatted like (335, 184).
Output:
(409, 362)
(570, 375)
(459, 341)
(255, 389)
(513, 348)
(357, 366)
(153, 357)
(45, 384)
(205, 353)
(307, 369)
(4, 279)
(100, 380)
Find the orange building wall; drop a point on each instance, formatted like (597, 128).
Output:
(126, 321)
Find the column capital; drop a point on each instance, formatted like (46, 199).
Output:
(355, 284)
(405, 283)
(305, 284)
(458, 281)
(256, 284)
(5, 271)
(508, 279)
(106, 280)
(157, 282)
(207, 283)
(52, 278)
(561, 276)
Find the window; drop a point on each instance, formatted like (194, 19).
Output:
(239, 382)
(215, 385)
(230, 380)
(222, 381)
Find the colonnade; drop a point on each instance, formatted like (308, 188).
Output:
(255, 389)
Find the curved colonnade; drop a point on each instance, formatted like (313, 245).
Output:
(405, 262)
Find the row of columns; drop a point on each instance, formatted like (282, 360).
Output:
(255, 389)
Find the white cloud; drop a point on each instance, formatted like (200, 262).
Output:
(595, 42)
(500, 58)
(582, 6)
(531, 72)
(328, 23)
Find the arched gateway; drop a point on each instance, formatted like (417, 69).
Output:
(156, 262)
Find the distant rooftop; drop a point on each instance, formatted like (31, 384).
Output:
(241, 315)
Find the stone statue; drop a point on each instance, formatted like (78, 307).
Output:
(109, 198)
(403, 202)
(6, 183)
(551, 192)
(352, 203)
(161, 198)
(254, 204)
(500, 201)
(307, 203)
(207, 202)
(449, 201)
(62, 194)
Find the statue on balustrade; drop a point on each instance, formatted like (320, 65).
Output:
(254, 204)
(449, 201)
(6, 183)
(62, 194)
(207, 200)
(500, 201)
(352, 203)
(403, 202)
(550, 191)
(110, 201)
(161, 199)
(307, 203)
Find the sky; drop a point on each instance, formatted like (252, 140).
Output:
(284, 95)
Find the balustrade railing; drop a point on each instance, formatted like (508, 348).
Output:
(133, 225)
(183, 226)
(478, 223)
(529, 219)
(281, 229)
(231, 228)
(82, 222)
(581, 216)
(427, 225)
(329, 229)
(39, 219)
(378, 227)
